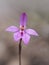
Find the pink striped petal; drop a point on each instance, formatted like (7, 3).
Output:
(31, 32)
(26, 38)
(17, 36)
(23, 19)
(12, 29)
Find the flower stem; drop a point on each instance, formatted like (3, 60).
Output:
(20, 51)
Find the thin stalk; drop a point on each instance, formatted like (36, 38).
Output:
(20, 51)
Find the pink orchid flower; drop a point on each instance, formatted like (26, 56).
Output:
(22, 32)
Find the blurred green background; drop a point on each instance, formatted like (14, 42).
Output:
(37, 51)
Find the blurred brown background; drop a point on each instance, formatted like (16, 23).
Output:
(37, 51)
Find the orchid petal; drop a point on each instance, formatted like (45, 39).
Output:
(17, 36)
(23, 19)
(12, 29)
(26, 38)
(31, 32)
